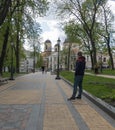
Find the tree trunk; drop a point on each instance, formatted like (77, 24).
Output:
(93, 53)
(110, 54)
(17, 52)
(4, 47)
(69, 57)
(4, 10)
(18, 37)
(92, 64)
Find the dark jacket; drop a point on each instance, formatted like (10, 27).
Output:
(80, 66)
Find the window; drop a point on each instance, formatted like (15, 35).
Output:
(87, 58)
(55, 49)
(54, 58)
(104, 59)
(46, 47)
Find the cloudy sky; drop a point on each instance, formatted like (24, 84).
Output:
(51, 29)
(112, 5)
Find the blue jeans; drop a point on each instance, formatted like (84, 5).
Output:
(77, 82)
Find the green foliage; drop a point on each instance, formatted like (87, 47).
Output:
(90, 25)
(39, 61)
(21, 20)
(73, 32)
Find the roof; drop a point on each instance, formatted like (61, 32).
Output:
(47, 41)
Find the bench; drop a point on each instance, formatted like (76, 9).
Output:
(2, 80)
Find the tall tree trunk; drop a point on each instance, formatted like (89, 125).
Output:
(109, 52)
(5, 4)
(4, 47)
(93, 53)
(18, 38)
(17, 52)
(68, 67)
(92, 64)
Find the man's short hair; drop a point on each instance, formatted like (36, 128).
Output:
(79, 53)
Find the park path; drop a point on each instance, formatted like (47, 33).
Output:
(37, 101)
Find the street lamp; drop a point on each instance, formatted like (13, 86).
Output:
(101, 62)
(58, 43)
(11, 74)
(34, 59)
(27, 62)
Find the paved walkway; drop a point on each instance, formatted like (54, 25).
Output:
(39, 102)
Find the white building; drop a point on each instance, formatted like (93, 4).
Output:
(51, 57)
(27, 64)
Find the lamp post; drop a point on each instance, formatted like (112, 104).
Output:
(11, 74)
(58, 43)
(101, 62)
(27, 62)
(34, 59)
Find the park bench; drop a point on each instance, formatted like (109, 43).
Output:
(3, 80)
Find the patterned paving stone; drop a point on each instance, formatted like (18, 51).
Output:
(21, 97)
(57, 115)
(14, 117)
(92, 118)
(39, 102)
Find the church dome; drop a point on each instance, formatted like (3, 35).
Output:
(56, 44)
(47, 46)
(47, 41)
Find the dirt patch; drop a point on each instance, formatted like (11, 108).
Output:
(110, 101)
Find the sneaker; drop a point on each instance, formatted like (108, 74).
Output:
(71, 98)
(78, 97)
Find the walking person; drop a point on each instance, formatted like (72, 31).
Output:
(43, 69)
(78, 78)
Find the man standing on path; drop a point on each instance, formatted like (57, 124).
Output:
(79, 73)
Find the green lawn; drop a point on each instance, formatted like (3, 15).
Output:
(100, 87)
(104, 71)
(7, 74)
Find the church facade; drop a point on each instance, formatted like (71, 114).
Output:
(67, 56)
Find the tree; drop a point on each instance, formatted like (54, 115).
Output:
(85, 13)
(78, 36)
(4, 8)
(106, 30)
(5, 38)
(15, 25)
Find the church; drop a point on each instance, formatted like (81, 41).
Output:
(50, 55)
(67, 56)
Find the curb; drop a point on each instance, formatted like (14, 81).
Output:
(110, 110)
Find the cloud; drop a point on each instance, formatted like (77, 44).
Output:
(112, 5)
(51, 30)
(50, 25)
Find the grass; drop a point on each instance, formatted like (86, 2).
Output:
(7, 74)
(103, 88)
(104, 71)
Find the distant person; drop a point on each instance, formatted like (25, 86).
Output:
(78, 78)
(43, 68)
